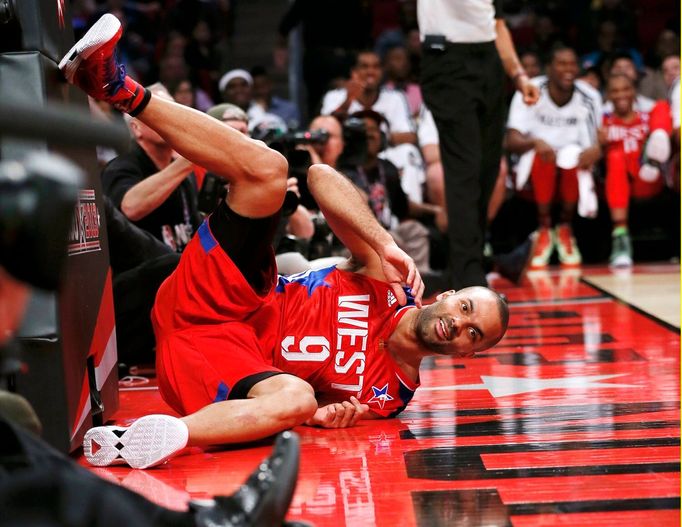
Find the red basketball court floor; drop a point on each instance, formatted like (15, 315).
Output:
(573, 419)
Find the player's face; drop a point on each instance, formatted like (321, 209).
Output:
(563, 69)
(460, 323)
(621, 93)
(368, 69)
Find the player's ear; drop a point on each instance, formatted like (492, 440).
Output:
(445, 294)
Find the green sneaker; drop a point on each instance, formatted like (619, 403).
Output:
(621, 249)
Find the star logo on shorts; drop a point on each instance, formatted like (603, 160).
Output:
(390, 298)
(380, 396)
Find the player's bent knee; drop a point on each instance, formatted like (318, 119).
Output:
(298, 402)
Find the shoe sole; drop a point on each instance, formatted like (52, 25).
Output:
(108, 27)
(149, 441)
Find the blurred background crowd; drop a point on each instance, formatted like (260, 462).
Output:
(337, 81)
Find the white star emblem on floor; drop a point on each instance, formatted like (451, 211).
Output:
(503, 386)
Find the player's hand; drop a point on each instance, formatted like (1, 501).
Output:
(545, 151)
(339, 415)
(400, 269)
(589, 157)
(530, 92)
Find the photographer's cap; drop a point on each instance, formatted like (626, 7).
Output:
(234, 74)
(228, 112)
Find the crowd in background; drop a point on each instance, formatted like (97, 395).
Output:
(361, 59)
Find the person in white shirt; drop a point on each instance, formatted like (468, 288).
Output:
(363, 92)
(558, 140)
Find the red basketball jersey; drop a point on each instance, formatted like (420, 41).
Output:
(332, 328)
(628, 137)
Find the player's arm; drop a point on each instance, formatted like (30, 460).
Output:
(371, 246)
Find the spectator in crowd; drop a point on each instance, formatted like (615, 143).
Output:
(531, 63)
(173, 72)
(592, 77)
(328, 152)
(236, 87)
(398, 76)
(625, 131)
(363, 92)
(610, 41)
(671, 70)
(152, 186)
(333, 32)
(559, 139)
(202, 58)
(623, 64)
(653, 84)
(271, 103)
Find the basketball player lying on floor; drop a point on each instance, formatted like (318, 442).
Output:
(243, 354)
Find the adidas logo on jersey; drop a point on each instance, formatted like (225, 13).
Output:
(391, 298)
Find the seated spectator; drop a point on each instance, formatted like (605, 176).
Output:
(182, 92)
(152, 186)
(592, 77)
(531, 63)
(363, 92)
(623, 64)
(610, 41)
(398, 76)
(558, 137)
(270, 103)
(173, 72)
(202, 57)
(654, 84)
(623, 136)
(671, 70)
(236, 87)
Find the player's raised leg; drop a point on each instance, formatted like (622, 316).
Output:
(257, 174)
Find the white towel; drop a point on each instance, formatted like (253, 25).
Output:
(587, 197)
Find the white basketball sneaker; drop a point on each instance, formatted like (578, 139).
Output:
(147, 442)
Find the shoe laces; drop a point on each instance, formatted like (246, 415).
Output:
(115, 75)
